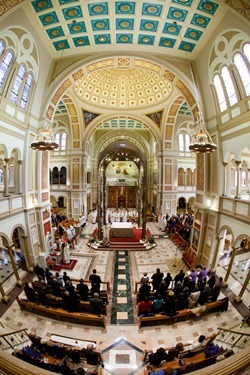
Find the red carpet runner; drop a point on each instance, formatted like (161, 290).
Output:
(70, 266)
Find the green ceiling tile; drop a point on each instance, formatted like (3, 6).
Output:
(55, 32)
(146, 39)
(193, 34)
(125, 7)
(124, 24)
(186, 46)
(100, 24)
(39, 5)
(151, 9)
(208, 6)
(177, 14)
(78, 27)
(72, 12)
(62, 2)
(49, 18)
(147, 25)
(200, 20)
(102, 39)
(124, 38)
(61, 44)
(81, 41)
(183, 2)
(98, 9)
(171, 28)
(167, 42)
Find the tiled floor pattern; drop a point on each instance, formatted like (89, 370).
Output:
(163, 256)
(122, 305)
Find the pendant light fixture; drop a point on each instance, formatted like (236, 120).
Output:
(45, 139)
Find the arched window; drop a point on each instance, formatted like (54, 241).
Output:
(187, 142)
(17, 84)
(55, 176)
(243, 72)
(57, 140)
(63, 175)
(246, 50)
(243, 179)
(181, 142)
(220, 93)
(26, 91)
(63, 141)
(4, 66)
(229, 85)
(1, 47)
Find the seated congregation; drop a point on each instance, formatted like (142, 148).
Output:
(192, 293)
(61, 358)
(185, 358)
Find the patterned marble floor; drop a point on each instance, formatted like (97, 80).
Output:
(123, 343)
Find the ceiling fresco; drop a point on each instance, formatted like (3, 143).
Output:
(80, 26)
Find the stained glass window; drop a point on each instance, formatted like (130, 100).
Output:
(57, 140)
(63, 141)
(187, 142)
(17, 84)
(26, 91)
(4, 66)
(220, 93)
(229, 85)
(181, 142)
(1, 47)
(243, 71)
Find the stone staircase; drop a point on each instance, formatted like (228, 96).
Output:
(123, 245)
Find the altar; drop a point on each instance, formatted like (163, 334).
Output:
(121, 230)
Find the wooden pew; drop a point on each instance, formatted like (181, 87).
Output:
(199, 360)
(85, 306)
(61, 314)
(186, 313)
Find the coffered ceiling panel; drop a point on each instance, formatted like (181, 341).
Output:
(83, 26)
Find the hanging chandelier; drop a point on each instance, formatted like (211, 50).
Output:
(45, 140)
(201, 141)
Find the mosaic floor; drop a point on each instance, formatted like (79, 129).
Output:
(123, 343)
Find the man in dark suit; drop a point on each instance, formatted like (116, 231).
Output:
(95, 282)
(82, 289)
(96, 304)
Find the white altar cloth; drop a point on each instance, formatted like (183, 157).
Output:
(121, 225)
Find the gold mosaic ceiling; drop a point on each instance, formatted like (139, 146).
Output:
(123, 88)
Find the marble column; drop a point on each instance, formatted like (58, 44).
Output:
(6, 178)
(237, 196)
(230, 265)
(238, 299)
(225, 180)
(5, 298)
(28, 259)
(19, 281)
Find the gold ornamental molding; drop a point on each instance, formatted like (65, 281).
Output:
(5, 6)
(240, 6)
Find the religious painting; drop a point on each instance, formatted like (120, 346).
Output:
(122, 170)
(196, 236)
(88, 117)
(156, 117)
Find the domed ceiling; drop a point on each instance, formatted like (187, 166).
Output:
(124, 88)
